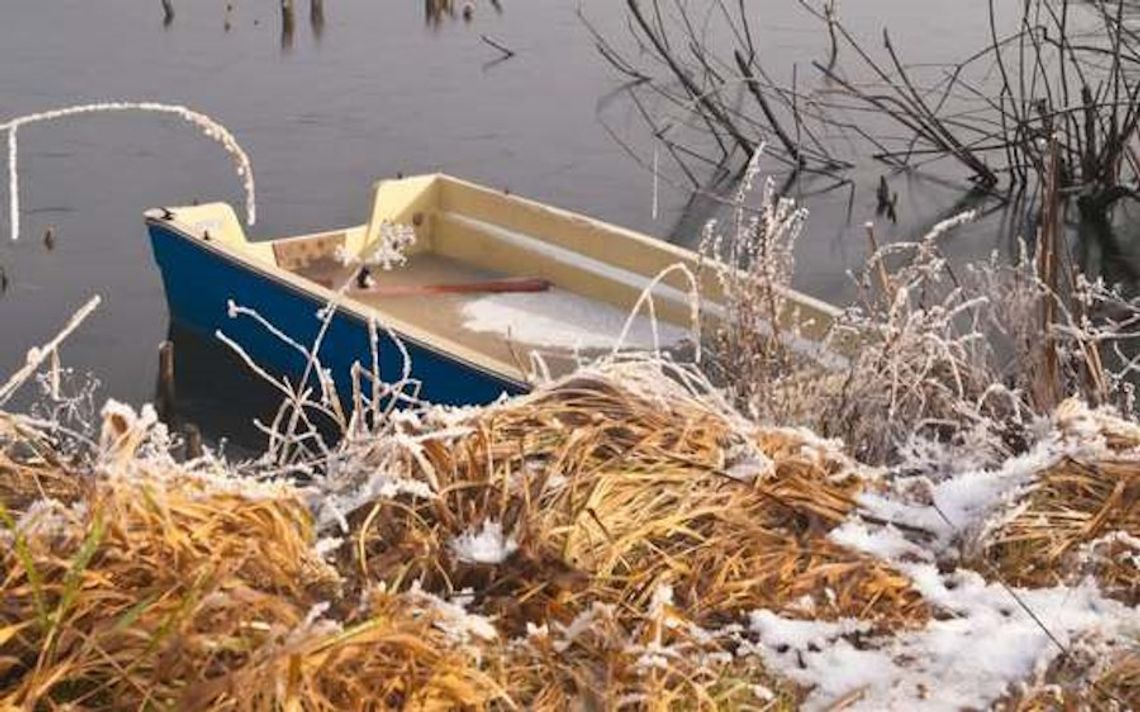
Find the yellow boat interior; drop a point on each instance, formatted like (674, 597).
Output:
(488, 276)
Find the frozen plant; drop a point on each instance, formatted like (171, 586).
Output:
(395, 239)
(211, 128)
(66, 405)
(965, 356)
(753, 267)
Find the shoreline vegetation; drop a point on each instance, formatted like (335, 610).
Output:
(942, 517)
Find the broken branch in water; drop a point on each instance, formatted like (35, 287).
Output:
(507, 51)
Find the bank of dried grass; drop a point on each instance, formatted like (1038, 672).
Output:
(143, 581)
(611, 495)
(649, 520)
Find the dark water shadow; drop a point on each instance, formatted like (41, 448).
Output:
(215, 392)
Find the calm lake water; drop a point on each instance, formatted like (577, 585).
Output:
(377, 90)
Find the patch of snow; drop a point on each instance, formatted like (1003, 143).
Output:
(965, 501)
(487, 546)
(327, 545)
(561, 319)
(763, 693)
(885, 542)
(391, 487)
(966, 661)
(537, 631)
(891, 509)
(778, 632)
(453, 618)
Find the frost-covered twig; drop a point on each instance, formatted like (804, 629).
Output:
(645, 301)
(207, 125)
(36, 356)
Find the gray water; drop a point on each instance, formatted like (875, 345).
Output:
(377, 90)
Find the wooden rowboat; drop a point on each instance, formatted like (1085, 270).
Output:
(489, 279)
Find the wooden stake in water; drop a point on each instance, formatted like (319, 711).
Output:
(317, 17)
(193, 441)
(287, 22)
(164, 396)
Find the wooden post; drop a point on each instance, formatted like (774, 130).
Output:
(164, 397)
(287, 18)
(317, 17)
(193, 441)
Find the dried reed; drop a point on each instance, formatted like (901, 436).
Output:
(611, 494)
(1078, 518)
(164, 587)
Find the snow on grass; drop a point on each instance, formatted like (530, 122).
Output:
(985, 644)
(985, 638)
(487, 546)
(779, 632)
(560, 319)
(952, 504)
(885, 542)
(453, 618)
(747, 463)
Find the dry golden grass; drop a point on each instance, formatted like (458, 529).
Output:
(161, 587)
(611, 495)
(647, 527)
(637, 662)
(1080, 517)
(165, 592)
(1053, 540)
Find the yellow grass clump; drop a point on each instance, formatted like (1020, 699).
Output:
(598, 544)
(163, 590)
(643, 530)
(1078, 518)
(610, 495)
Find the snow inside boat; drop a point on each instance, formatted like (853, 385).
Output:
(485, 280)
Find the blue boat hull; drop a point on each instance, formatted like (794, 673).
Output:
(201, 281)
